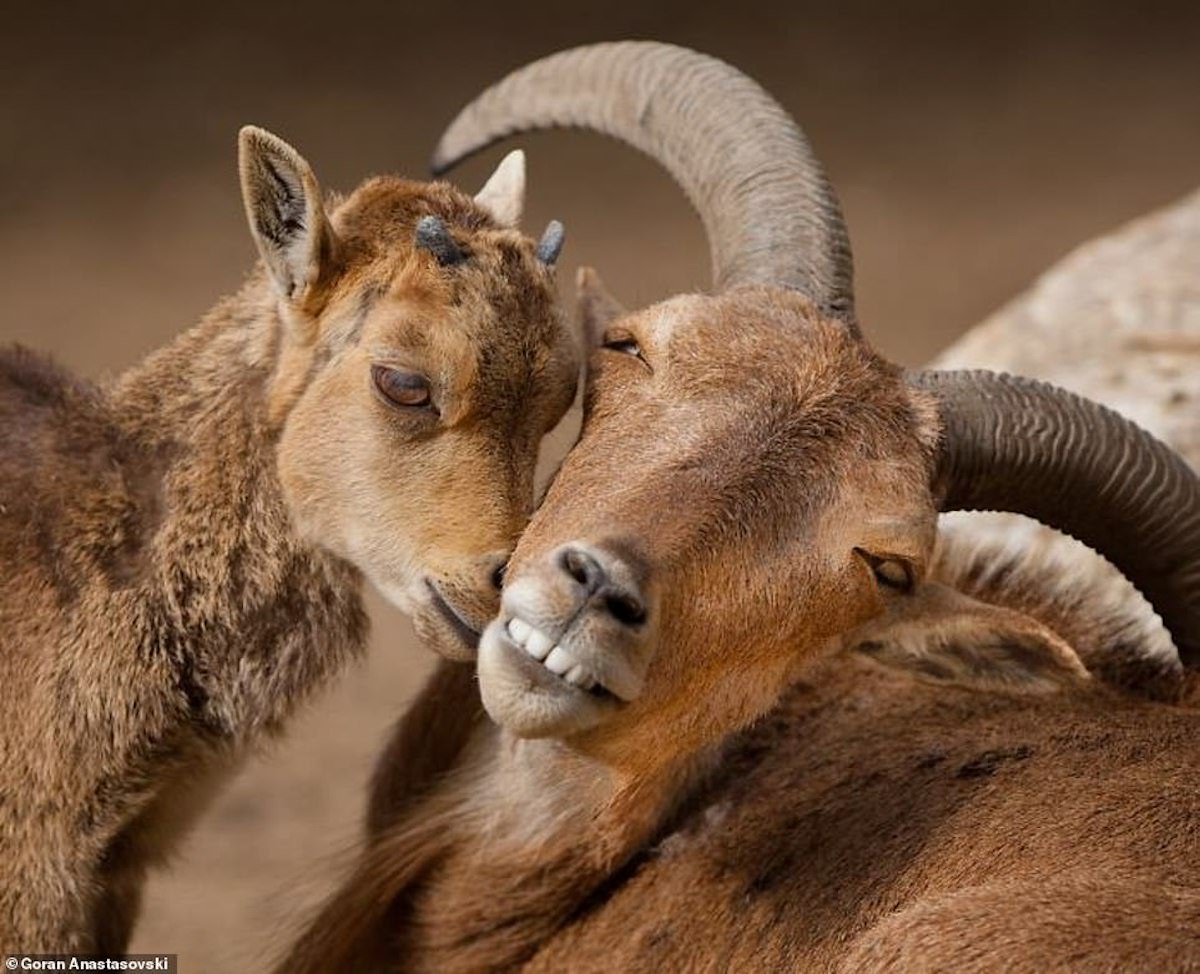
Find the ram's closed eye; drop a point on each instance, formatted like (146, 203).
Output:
(627, 345)
(890, 572)
(620, 340)
(893, 574)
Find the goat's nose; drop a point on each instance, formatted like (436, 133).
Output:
(610, 587)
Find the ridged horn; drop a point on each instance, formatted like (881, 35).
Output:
(770, 213)
(1014, 444)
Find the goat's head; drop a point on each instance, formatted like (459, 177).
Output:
(753, 485)
(421, 359)
(750, 479)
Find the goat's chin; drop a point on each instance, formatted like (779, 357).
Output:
(448, 641)
(437, 626)
(526, 699)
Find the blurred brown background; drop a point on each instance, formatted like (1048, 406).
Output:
(972, 145)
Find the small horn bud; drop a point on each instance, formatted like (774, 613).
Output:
(551, 244)
(432, 235)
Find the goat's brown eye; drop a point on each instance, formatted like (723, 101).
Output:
(401, 388)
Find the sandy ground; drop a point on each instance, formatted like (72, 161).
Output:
(972, 146)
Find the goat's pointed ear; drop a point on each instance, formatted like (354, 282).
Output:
(503, 195)
(939, 634)
(596, 309)
(285, 210)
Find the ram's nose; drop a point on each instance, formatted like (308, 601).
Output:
(605, 581)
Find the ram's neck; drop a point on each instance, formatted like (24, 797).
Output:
(253, 616)
(538, 831)
(476, 857)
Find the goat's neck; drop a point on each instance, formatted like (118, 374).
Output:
(529, 831)
(254, 616)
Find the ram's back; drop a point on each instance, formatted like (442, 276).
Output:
(867, 798)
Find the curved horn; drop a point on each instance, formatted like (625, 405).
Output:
(433, 235)
(770, 214)
(1013, 444)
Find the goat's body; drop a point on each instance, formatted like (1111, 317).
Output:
(867, 805)
(874, 823)
(157, 615)
(869, 820)
(181, 550)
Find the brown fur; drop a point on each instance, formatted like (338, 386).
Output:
(425, 743)
(773, 795)
(181, 549)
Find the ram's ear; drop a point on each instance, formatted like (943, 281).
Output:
(503, 195)
(939, 634)
(286, 213)
(595, 308)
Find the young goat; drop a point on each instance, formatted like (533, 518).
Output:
(181, 550)
(755, 490)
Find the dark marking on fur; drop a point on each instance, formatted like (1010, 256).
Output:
(989, 762)
(931, 760)
(776, 872)
(603, 892)
(283, 218)
(366, 301)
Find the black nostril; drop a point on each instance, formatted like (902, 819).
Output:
(498, 575)
(600, 576)
(583, 568)
(626, 609)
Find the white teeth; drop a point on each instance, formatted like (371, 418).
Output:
(538, 644)
(556, 659)
(559, 661)
(539, 651)
(519, 630)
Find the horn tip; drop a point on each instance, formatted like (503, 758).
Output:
(551, 244)
(440, 163)
(450, 151)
